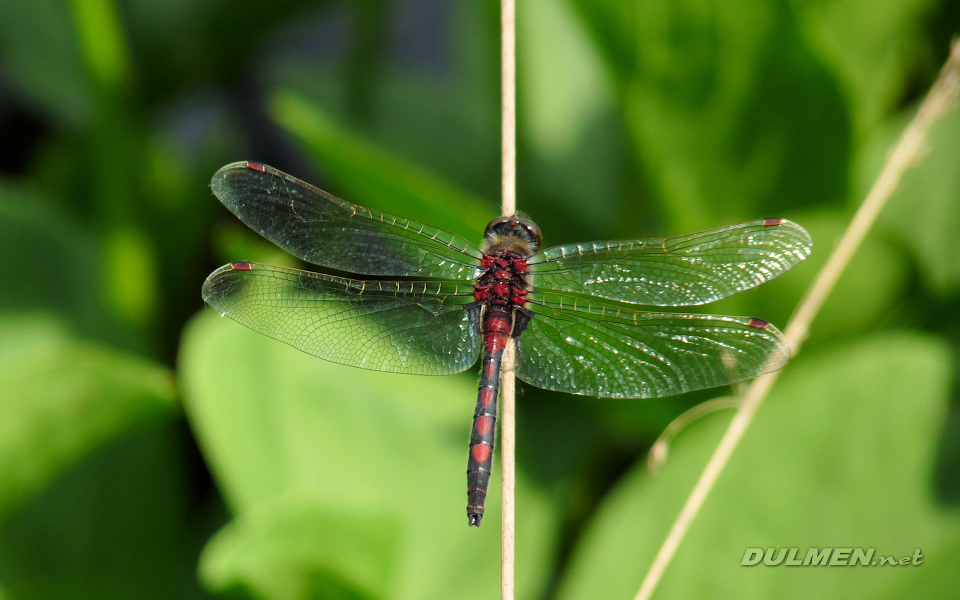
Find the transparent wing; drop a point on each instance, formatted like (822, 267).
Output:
(679, 271)
(324, 230)
(601, 349)
(417, 327)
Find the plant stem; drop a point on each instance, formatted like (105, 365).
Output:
(508, 207)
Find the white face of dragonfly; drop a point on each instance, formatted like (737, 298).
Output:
(513, 234)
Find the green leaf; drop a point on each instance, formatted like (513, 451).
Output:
(292, 549)
(437, 106)
(726, 109)
(102, 42)
(39, 44)
(55, 262)
(119, 524)
(371, 176)
(872, 48)
(571, 143)
(272, 422)
(840, 455)
(561, 84)
(63, 397)
(924, 212)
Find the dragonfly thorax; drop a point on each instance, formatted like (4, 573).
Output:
(504, 279)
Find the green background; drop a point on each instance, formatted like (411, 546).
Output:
(149, 449)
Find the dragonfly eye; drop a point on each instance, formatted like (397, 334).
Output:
(498, 226)
(517, 227)
(533, 232)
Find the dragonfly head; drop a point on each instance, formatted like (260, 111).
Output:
(515, 229)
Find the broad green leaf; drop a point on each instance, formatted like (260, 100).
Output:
(872, 48)
(427, 96)
(38, 41)
(562, 85)
(272, 421)
(118, 524)
(924, 212)
(63, 397)
(55, 262)
(292, 548)
(840, 455)
(726, 109)
(371, 176)
(572, 147)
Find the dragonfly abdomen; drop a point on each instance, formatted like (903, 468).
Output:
(483, 437)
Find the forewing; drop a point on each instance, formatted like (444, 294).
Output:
(325, 230)
(600, 349)
(417, 327)
(680, 271)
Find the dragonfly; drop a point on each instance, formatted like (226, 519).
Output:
(438, 302)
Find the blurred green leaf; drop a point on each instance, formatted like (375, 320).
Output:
(119, 524)
(131, 275)
(872, 48)
(102, 42)
(41, 59)
(561, 81)
(726, 109)
(63, 397)
(924, 212)
(571, 145)
(292, 549)
(273, 421)
(371, 176)
(430, 97)
(235, 241)
(55, 262)
(840, 455)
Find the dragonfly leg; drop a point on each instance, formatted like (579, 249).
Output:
(521, 318)
(475, 313)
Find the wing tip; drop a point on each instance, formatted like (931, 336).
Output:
(223, 173)
(803, 239)
(219, 286)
